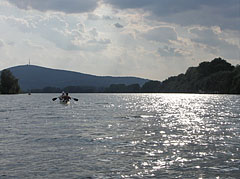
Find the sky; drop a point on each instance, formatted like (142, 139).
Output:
(152, 39)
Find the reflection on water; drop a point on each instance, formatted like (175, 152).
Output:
(120, 136)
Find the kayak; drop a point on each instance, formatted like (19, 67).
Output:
(65, 101)
(62, 101)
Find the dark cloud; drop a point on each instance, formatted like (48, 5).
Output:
(161, 34)
(117, 25)
(66, 6)
(223, 13)
(188, 12)
(214, 44)
(168, 7)
(205, 36)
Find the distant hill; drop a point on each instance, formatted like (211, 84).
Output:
(217, 76)
(36, 77)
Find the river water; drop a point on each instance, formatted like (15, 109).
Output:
(120, 136)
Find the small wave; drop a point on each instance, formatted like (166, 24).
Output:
(224, 169)
(144, 116)
(3, 110)
(121, 117)
(103, 103)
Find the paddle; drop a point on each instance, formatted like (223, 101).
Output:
(75, 99)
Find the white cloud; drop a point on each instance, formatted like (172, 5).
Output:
(31, 44)
(169, 51)
(56, 29)
(93, 17)
(16, 22)
(1, 43)
(94, 32)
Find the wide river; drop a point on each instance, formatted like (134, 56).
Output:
(120, 136)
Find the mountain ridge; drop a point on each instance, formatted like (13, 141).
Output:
(37, 77)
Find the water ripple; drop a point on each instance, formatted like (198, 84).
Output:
(120, 136)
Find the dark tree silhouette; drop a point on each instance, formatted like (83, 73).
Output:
(217, 76)
(151, 87)
(9, 84)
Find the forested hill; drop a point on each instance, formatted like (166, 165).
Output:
(217, 76)
(36, 77)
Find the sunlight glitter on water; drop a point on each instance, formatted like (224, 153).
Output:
(186, 115)
(121, 136)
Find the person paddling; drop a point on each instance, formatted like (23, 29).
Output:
(61, 97)
(66, 97)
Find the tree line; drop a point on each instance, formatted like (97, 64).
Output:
(217, 76)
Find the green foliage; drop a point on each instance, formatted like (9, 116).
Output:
(219, 82)
(217, 76)
(69, 89)
(218, 64)
(235, 87)
(122, 88)
(134, 88)
(151, 86)
(9, 84)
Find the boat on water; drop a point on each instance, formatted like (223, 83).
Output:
(63, 101)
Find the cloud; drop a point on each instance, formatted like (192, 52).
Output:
(23, 24)
(161, 34)
(105, 17)
(100, 41)
(92, 16)
(155, 34)
(66, 6)
(1, 43)
(33, 45)
(212, 42)
(205, 36)
(117, 25)
(187, 12)
(169, 52)
(94, 32)
(11, 43)
(57, 30)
